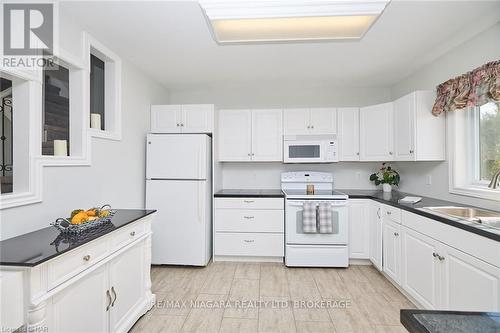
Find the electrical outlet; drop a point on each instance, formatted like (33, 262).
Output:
(429, 179)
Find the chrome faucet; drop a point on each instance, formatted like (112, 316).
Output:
(494, 184)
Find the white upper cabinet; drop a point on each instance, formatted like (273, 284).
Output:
(197, 118)
(250, 135)
(418, 135)
(166, 118)
(267, 135)
(235, 135)
(189, 118)
(376, 133)
(310, 121)
(348, 123)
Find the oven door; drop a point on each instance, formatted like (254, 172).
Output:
(295, 235)
(303, 151)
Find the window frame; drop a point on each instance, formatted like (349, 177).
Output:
(112, 89)
(464, 155)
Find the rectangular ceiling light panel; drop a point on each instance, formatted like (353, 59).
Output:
(281, 21)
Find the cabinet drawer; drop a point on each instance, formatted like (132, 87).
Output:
(128, 234)
(249, 244)
(392, 213)
(74, 262)
(243, 220)
(249, 203)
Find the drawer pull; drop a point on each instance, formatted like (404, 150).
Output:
(248, 201)
(249, 217)
(87, 257)
(132, 233)
(249, 240)
(389, 213)
(114, 293)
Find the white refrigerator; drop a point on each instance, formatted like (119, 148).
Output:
(179, 186)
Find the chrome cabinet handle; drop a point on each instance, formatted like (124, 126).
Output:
(114, 293)
(109, 300)
(312, 126)
(248, 217)
(440, 258)
(378, 213)
(132, 233)
(357, 153)
(87, 257)
(249, 240)
(389, 213)
(435, 255)
(182, 125)
(396, 234)
(411, 151)
(178, 125)
(308, 126)
(249, 154)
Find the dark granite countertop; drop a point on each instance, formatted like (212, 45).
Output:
(36, 247)
(432, 321)
(392, 199)
(254, 193)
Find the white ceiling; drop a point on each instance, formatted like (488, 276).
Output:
(170, 41)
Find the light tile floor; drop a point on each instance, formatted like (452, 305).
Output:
(361, 299)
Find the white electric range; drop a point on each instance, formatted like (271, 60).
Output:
(314, 249)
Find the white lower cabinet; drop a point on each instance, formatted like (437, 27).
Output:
(375, 230)
(392, 250)
(249, 228)
(420, 276)
(359, 242)
(441, 277)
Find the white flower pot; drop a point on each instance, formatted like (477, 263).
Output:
(386, 187)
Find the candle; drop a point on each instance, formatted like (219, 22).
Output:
(60, 148)
(95, 121)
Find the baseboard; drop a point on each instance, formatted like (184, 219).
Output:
(248, 259)
(361, 262)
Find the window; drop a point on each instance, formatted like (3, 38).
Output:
(56, 125)
(105, 91)
(97, 93)
(487, 141)
(6, 136)
(474, 150)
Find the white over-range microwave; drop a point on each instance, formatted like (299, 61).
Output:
(310, 149)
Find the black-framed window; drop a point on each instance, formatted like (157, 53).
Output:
(6, 136)
(97, 89)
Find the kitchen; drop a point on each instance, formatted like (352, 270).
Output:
(209, 162)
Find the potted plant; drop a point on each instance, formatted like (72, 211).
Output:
(386, 176)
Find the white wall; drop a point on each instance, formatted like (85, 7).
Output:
(482, 48)
(117, 173)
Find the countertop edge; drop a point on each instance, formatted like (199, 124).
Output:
(44, 260)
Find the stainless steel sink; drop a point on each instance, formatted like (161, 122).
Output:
(488, 218)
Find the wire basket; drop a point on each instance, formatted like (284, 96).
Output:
(64, 225)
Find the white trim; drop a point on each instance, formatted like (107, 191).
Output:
(113, 89)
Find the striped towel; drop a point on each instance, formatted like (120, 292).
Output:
(325, 218)
(309, 217)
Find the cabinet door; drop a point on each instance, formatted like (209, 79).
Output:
(376, 133)
(235, 133)
(81, 307)
(197, 118)
(375, 231)
(267, 135)
(348, 119)
(323, 121)
(296, 121)
(404, 128)
(359, 242)
(166, 118)
(127, 286)
(392, 250)
(468, 284)
(420, 274)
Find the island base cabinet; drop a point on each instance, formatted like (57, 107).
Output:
(81, 307)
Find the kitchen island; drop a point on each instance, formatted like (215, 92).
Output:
(102, 274)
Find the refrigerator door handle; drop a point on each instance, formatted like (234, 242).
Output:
(200, 159)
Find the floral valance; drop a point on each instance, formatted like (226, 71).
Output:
(475, 88)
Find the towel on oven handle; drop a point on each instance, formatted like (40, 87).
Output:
(309, 217)
(325, 218)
